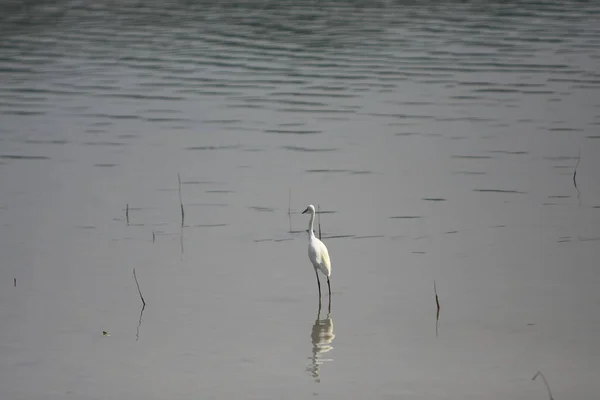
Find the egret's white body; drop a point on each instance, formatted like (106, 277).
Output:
(317, 251)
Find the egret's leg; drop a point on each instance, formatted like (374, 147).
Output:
(329, 287)
(318, 283)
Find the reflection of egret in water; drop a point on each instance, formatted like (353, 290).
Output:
(321, 337)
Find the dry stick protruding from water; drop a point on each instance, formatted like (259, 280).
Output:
(545, 383)
(138, 288)
(15, 282)
(181, 200)
(575, 176)
(319, 216)
(437, 302)
(181, 240)
(137, 332)
(127, 213)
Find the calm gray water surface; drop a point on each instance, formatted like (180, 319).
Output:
(441, 137)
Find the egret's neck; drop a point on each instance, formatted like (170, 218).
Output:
(310, 224)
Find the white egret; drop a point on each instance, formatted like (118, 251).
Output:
(317, 252)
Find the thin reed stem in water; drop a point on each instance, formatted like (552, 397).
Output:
(138, 287)
(127, 213)
(575, 176)
(181, 200)
(437, 302)
(319, 216)
(545, 383)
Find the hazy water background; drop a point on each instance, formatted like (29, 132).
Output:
(441, 135)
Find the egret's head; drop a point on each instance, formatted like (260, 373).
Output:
(309, 209)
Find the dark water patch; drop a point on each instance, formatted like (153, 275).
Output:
(593, 137)
(560, 158)
(361, 172)
(338, 236)
(253, 106)
(368, 237)
(127, 136)
(450, 232)
(315, 94)
(110, 144)
(95, 130)
(105, 165)
(22, 157)
(405, 217)
(463, 119)
(315, 111)
(262, 209)
(84, 227)
(292, 124)
(134, 96)
(208, 225)
(42, 141)
(496, 90)
(498, 191)
(292, 132)
(165, 119)
(222, 121)
(327, 171)
(417, 252)
(22, 112)
(300, 103)
(228, 147)
(307, 149)
(549, 204)
(262, 240)
(402, 116)
(219, 191)
(538, 92)
(434, 199)
(111, 116)
(463, 157)
(559, 197)
(282, 240)
(561, 129)
(465, 97)
(209, 93)
(509, 152)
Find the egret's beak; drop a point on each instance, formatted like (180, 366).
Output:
(305, 211)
